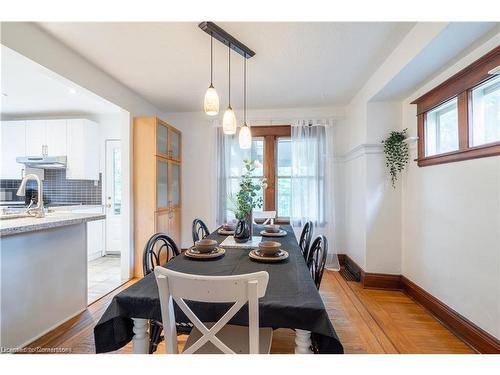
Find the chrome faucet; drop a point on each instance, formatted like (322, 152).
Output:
(21, 192)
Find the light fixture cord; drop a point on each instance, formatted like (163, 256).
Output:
(211, 59)
(229, 54)
(245, 90)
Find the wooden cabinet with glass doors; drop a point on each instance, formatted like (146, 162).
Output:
(157, 183)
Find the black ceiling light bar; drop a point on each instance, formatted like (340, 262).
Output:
(222, 36)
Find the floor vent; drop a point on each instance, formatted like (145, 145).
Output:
(347, 275)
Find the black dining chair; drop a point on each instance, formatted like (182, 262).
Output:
(316, 259)
(159, 249)
(199, 230)
(305, 238)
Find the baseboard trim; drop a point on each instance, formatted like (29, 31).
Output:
(476, 337)
(382, 281)
(473, 335)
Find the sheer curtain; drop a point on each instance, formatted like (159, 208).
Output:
(221, 174)
(312, 180)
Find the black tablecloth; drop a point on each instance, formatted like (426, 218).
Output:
(291, 299)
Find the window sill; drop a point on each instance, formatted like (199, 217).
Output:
(483, 151)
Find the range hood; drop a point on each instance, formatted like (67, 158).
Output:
(43, 162)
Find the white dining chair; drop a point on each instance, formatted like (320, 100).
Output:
(267, 216)
(218, 337)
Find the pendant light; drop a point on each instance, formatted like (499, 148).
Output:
(229, 119)
(211, 102)
(245, 137)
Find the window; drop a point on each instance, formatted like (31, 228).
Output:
(284, 178)
(485, 113)
(271, 146)
(460, 118)
(235, 165)
(441, 129)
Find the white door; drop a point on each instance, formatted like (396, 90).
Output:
(113, 196)
(55, 137)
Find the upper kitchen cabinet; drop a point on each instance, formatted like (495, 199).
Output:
(174, 144)
(83, 150)
(168, 140)
(12, 134)
(46, 137)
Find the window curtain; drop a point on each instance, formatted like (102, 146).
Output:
(221, 174)
(312, 181)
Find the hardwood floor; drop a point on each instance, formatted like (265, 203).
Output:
(366, 321)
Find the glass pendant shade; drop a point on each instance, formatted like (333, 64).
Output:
(245, 137)
(229, 121)
(211, 103)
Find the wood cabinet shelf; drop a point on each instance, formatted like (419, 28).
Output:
(157, 183)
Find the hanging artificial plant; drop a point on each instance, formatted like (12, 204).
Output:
(396, 153)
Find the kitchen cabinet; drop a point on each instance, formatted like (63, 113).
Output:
(13, 134)
(168, 141)
(46, 137)
(82, 150)
(157, 183)
(174, 144)
(95, 232)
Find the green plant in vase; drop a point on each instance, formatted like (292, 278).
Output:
(246, 199)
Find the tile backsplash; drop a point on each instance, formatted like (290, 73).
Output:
(56, 188)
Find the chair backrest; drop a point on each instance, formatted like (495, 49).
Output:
(267, 216)
(316, 259)
(305, 238)
(237, 289)
(199, 230)
(159, 249)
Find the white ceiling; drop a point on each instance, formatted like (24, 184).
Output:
(443, 49)
(29, 90)
(296, 64)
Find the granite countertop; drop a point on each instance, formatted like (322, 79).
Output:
(10, 227)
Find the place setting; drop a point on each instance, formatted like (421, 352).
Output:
(273, 230)
(205, 249)
(227, 229)
(268, 252)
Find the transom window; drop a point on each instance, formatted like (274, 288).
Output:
(460, 118)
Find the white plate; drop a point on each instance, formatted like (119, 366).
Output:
(281, 233)
(225, 232)
(193, 253)
(254, 254)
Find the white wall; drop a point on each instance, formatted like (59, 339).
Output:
(198, 152)
(451, 224)
(29, 40)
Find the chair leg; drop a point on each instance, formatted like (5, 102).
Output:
(155, 337)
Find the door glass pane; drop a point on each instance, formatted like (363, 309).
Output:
(174, 138)
(117, 181)
(234, 163)
(284, 196)
(284, 172)
(235, 156)
(161, 183)
(175, 177)
(441, 129)
(486, 113)
(161, 140)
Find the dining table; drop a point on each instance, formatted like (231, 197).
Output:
(291, 300)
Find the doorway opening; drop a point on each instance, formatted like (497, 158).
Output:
(105, 271)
